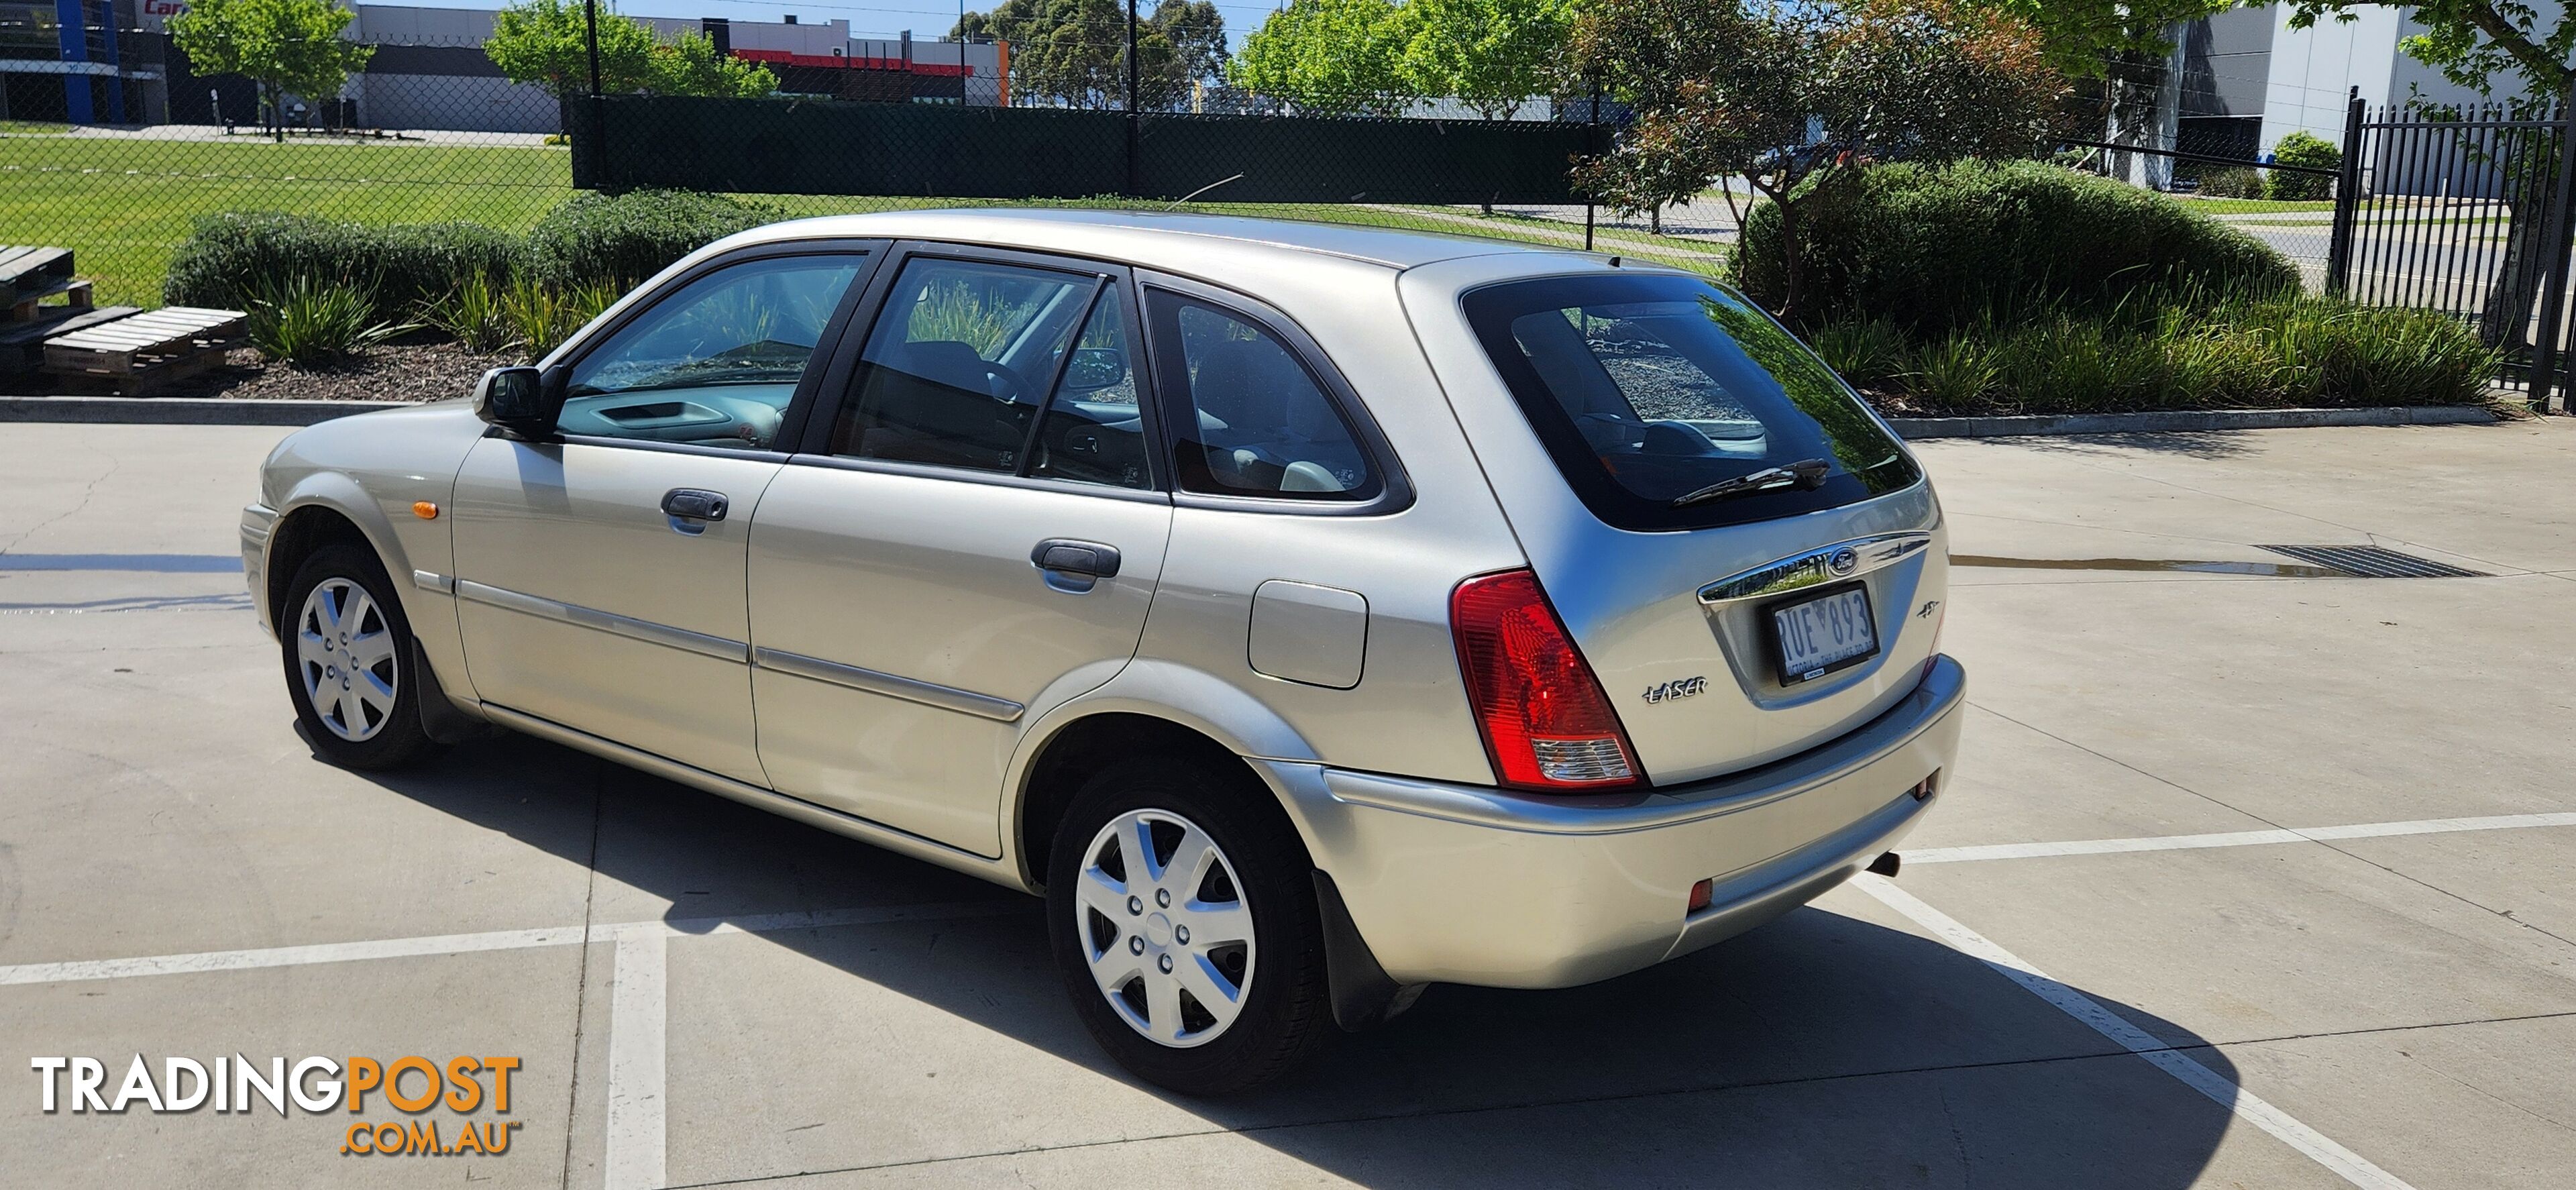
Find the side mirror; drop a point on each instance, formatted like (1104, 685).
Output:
(1094, 367)
(518, 401)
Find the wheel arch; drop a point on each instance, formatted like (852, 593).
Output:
(1149, 705)
(316, 516)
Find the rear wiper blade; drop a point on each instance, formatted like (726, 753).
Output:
(1803, 474)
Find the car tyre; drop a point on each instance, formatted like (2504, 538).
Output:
(350, 665)
(1258, 882)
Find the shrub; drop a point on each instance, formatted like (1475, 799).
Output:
(1866, 352)
(2311, 151)
(315, 322)
(1954, 374)
(1933, 249)
(541, 316)
(476, 312)
(619, 240)
(236, 257)
(2233, 183)
(2277, 352)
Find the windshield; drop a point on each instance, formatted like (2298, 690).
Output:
(1648, 389)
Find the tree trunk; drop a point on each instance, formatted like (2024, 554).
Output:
(1793, 265)
(2504, 319)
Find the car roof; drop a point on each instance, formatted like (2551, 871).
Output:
(1181, 242)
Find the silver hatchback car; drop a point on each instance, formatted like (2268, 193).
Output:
(1310, 613)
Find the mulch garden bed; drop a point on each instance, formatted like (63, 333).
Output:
(414, 368)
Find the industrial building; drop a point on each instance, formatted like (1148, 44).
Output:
(111, 62)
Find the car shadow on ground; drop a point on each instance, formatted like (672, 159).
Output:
(1822, 1050)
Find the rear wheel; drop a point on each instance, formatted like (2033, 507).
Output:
(1182, 911)
(349, 664)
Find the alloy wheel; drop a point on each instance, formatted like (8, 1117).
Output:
(1165, 927)
(344, 650)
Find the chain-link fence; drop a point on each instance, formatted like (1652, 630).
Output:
(117, 155)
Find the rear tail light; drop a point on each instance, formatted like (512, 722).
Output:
(1547, 724)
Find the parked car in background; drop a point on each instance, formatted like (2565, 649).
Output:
(1309, 613)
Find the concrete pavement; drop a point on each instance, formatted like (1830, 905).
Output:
(703, 994)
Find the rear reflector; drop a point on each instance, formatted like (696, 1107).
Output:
(1700, 894)
(1546, 722)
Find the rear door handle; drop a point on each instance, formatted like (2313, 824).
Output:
(694, 504)
(1074, 566)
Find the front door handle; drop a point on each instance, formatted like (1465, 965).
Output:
(692, 509)
(694, 504)
(1074, 566)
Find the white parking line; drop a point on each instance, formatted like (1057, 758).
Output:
(2310, 834)
(636, 1037)
(637, 1023)
(80, 970)
(2316, 1146)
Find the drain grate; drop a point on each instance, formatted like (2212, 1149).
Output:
(2370, 561)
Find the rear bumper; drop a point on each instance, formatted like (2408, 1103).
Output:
(1467, 884)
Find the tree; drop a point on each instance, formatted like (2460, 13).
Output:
(286, 46)
(546, 43)
(1491, 54)
(2089, 38)
(1328, 58)
(1197, 34)
(1074, 52)
(1791, 95)
(690, 65)
(2472, 42)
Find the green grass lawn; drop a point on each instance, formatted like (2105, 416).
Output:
(123, 206)
(2254, 206)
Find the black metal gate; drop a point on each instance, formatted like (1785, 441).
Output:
(2464, 211)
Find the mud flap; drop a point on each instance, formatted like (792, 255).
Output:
(1364, 995)
(440, 718)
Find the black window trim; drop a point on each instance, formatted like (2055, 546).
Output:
(1596, 490)
(1395, 489)
(872, 255)
(814, 447)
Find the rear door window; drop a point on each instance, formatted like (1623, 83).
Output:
(1669, 403)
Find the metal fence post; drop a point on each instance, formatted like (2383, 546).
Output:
(2543, 375)
(598, 107)
(1592, 145)
(1135, 179)
(2347, 201)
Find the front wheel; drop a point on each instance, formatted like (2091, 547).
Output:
(1182, 911)
(349, 662)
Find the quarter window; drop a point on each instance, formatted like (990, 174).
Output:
(714, 364)
(1254, 420)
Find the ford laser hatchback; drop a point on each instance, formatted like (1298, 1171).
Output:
(1309, 613)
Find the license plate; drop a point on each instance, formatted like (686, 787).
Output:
(1818, 636)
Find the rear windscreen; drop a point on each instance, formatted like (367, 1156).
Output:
(1653, 392)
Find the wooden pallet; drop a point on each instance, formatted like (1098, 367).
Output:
(30, 273)
(76, 296)
(22, 344)
(147, 352)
